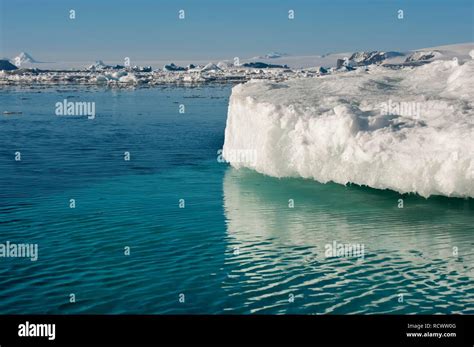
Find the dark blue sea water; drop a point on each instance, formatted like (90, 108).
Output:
(235, 247)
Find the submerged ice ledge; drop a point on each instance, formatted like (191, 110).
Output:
(410, 129)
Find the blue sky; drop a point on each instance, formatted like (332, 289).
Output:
(151, 30)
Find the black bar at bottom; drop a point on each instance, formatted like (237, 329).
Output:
(260, 329)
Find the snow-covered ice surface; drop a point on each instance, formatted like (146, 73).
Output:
(409, 129)
(283, 67)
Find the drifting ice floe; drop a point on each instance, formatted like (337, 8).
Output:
(409, 129)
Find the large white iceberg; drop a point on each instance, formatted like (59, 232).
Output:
(409, 129)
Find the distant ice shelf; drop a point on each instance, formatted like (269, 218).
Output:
(272, 67)
(409, 129)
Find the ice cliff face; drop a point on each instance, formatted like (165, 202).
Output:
(408, 129)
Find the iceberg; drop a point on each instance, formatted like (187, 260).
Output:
(260, 65)
(409, 129)
(422, 56)
(24, 58)
(274, 55)
(374, 57)
(128, 78)
(173, 67)
(6, 65)
(98, 65)
(225, 65)
(211, 67)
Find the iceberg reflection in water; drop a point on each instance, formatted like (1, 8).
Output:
(418, 259)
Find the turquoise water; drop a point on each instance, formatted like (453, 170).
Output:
(235, 247)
